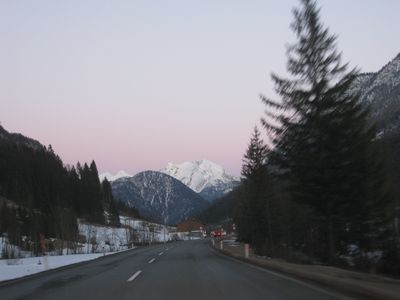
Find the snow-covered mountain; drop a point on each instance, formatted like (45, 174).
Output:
(381, 90)
(159, 196)
(204, 177)
(111, 177)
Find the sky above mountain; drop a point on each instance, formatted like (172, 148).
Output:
(136, 84)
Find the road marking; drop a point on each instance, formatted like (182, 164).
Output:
(161, 253)
(134, 276)
(166, 249)
(151, 260)
(328, 291)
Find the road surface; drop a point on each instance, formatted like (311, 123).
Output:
(181, 270)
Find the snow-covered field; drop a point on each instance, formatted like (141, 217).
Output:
(20, 267)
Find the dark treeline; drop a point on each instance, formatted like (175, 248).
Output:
(220, 211)
(41, 196)
(325, 189)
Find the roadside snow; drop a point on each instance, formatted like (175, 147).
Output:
(96, 241)
(20, 267)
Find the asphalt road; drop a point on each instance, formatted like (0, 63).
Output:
(182, 270)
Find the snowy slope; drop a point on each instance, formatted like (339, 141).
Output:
(111, 177)
(381, 91)
(204, 177)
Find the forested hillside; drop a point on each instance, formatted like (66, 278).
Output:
(39, 195)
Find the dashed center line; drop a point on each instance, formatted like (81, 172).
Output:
(134, 276)
(151, 260)
(161, 253)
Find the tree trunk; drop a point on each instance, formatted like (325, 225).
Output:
(269, 222)
(331, 241)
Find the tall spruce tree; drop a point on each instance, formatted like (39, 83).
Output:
(322, 143)
(251, 213)
(253, 168)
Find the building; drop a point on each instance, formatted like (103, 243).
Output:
(190, 229)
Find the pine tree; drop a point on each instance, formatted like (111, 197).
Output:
(251, 214)
(319, 130)
(255, 158)
(90, 194)
(110, 204)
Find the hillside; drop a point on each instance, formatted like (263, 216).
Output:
(158, 196)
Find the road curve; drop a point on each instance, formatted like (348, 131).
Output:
(182, 270)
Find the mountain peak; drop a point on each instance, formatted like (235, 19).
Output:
(203, 176)
(111, 177)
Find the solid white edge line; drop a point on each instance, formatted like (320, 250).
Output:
(329, 291)
(134, 276)
(151, 260)
(161, 253)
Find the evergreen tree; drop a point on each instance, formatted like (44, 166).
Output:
(254, 161)
(110, 204)
(319, 130)
(90, 194)
(251, 213)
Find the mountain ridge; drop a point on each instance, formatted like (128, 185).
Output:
(381, 91)
(205, 177)
(159, 196)
(19, 139)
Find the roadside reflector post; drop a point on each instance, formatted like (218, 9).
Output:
(213, 242)
(221, 244)
(246, 250)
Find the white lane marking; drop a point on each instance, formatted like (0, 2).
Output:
(161, 253)
(134, 276)
(328, 291)
(151, 260)
(166, 249)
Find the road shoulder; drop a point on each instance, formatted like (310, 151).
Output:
(353, 283)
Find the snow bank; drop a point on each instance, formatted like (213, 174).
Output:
(20, 267)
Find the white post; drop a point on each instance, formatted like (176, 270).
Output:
(246, 250)
(221, 245)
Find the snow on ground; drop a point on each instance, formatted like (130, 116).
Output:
(15, 268)
(103, 238)
(132, 231)
(146, 231)
(96, 241)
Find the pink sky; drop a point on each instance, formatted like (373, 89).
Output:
(137, 84)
